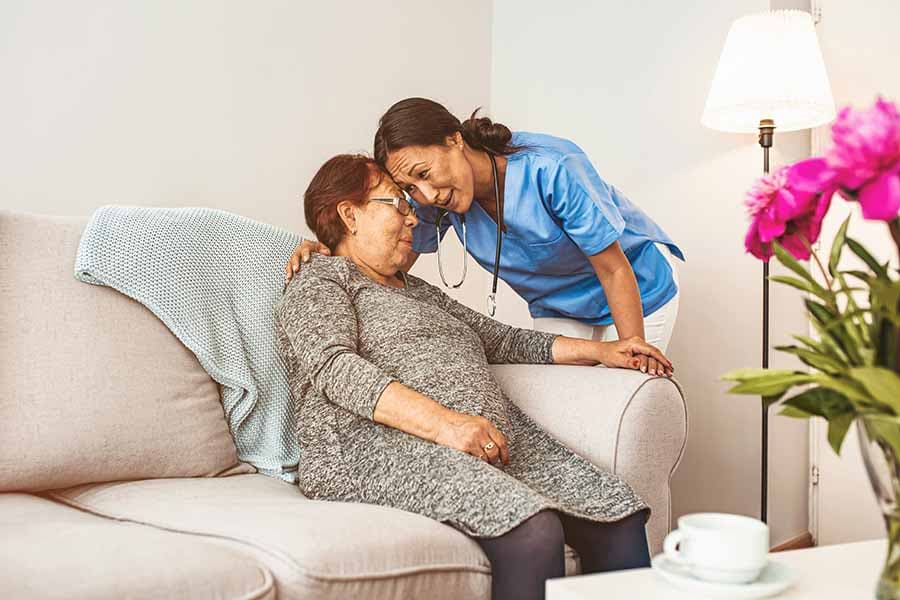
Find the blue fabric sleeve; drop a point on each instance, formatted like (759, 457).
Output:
(583, 204)
(425, 236)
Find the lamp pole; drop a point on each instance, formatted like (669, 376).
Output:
(770, 69)
(766, 135)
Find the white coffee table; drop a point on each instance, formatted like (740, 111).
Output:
(838, 572)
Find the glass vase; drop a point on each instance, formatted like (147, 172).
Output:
(883, 468)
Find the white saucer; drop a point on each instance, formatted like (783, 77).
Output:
(775, 578)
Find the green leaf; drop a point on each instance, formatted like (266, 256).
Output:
(829, 325)
(830, 405)
(883, 385)
(849, 388)
(824, 347)
(819, 312)
(861, 275)
(885, 429)
(885, 297)
(791, 263)
(768, 401)
(773, 385)
(837, 430)
(821, 402)
(795, 413)
(886, 346)
(866, 257)
(847, 327)
(857, 328)
(805, 286)
(816, 359)
(744, 374)
(837, 246)
(811, 343)
(848, 315)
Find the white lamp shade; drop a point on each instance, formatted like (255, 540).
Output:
(770, 68)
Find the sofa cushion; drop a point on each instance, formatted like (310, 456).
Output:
(95, 387)
(53, 551)
(314, 549)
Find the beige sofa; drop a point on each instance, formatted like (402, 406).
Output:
(119, 477)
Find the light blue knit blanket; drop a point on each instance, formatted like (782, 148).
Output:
(213, 278)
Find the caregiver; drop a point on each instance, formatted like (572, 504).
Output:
(589, 263)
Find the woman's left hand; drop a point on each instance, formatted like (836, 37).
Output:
(635, 353)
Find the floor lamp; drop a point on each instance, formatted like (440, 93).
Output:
(770, 74)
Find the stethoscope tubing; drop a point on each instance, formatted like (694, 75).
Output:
(437, 225)
(492, 297)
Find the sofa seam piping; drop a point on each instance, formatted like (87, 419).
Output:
(288, 560)
(680, 452)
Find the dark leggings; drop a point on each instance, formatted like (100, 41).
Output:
(533, 552)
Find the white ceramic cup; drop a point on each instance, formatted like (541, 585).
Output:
(719, 547)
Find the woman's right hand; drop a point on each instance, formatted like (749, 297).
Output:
(635, 353)
(473, 435)
(301, 254)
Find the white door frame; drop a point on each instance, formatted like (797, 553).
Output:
(817, 140)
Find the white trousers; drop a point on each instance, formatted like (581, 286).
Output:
(657, 327)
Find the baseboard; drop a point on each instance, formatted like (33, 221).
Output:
(801, 541)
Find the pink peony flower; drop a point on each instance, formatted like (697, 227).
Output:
(789, 206)
(866, 157)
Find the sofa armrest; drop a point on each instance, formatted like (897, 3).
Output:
(632, 424)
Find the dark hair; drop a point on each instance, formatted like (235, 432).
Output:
(346, 177)
(423, 122)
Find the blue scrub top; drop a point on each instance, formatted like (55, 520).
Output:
(557, 212)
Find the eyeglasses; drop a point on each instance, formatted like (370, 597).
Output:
(403, 205)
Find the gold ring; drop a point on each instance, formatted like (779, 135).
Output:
(489, 446)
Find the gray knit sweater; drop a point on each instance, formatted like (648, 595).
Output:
(345, 337)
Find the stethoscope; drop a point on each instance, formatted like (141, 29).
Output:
(492, 297)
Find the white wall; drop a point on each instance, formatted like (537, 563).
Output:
(627, 82)
(234, 105)
(231, 105)
(860, 45)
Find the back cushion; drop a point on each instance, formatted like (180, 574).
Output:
(93, 387)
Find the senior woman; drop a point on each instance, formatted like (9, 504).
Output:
(396, 404)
